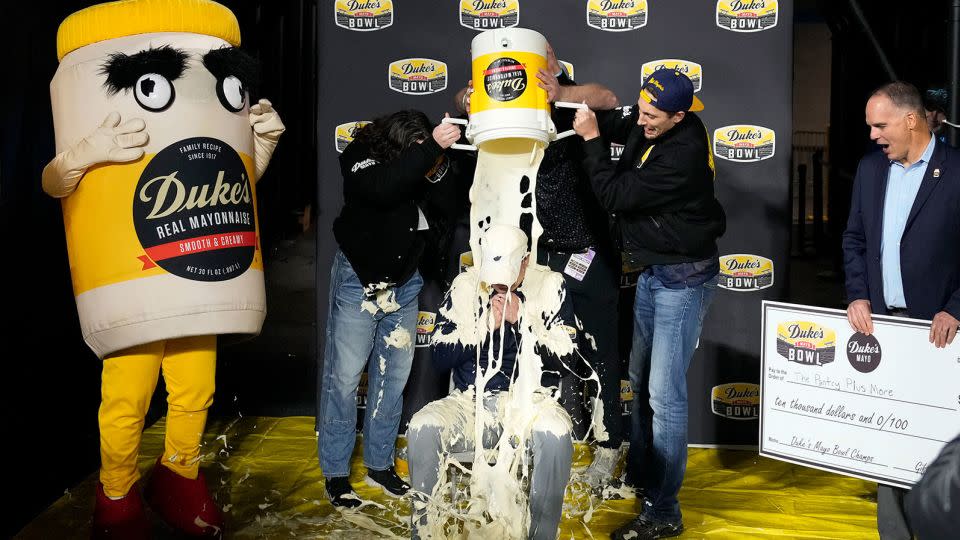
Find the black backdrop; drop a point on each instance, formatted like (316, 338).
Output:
(746, 81)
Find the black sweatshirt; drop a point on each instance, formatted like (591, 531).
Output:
(660, 193)
(377, 228)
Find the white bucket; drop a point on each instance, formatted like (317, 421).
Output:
(506, 101)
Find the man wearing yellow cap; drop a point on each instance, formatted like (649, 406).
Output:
(156, 169)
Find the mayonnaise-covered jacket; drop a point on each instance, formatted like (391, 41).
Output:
(546, 323)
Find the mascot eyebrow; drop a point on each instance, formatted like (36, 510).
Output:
(227, 61)
(123, 70)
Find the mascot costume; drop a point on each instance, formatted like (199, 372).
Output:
(158, 152)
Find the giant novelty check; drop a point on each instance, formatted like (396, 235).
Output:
(877, 407)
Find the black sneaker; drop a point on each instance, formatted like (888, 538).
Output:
(340, 493)
(388, 480)
(642, 529)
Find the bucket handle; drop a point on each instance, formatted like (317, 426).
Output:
(462, 122)
(567, 105)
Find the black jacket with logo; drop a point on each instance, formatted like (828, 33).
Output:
(660, 193)
(377, 228)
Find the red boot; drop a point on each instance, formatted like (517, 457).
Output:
(184, 504)
(121, 519)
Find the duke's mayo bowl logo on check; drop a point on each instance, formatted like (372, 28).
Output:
(744, 143)
(745, 272)
(426, 321)
(487, 14)
(417, 76)
(617, 15)
(806, 343)
(747, 15)
(737, 401)
(568, 67)
(363, 15)
(863, 352)
(692, 70)
(345, 133)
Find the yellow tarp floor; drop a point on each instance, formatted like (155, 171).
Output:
(265, 476)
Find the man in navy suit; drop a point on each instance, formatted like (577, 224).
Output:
(901, 248)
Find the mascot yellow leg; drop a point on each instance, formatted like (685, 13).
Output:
(176, 489)
(129, 379)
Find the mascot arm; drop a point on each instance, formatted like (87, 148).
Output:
(267, 129)
(111, 142)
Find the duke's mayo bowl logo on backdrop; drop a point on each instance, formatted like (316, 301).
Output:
(417, 76)
(567, 66)
(466, 260)
(426, 321)
(744, 143)
(745, 272)
(193, 211)
(362, 393)
(363, 15)
(747, 15)
(737, 401)
(505, 79)
(692, 70)
(617, 15)
(487, 14)
(345, 133)
(863, 352)
(626, 396)
(806, 343)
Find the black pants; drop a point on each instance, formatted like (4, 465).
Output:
(595, 300)
(891, 518)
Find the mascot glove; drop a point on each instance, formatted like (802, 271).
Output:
(267, 129)
(112, 142)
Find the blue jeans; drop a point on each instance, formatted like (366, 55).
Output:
(355, 336)
(667, 325)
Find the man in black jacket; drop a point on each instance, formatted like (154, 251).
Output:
(374, 283)
(660, 196)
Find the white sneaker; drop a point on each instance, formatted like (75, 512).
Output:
(604, 466)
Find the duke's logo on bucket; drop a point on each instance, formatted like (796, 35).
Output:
(806, 343)
(692, 70)
(486, 14)
(417, 76)
(425, 324)
(505, 79)
(363, 15)
(744, 143)
(747, 15)
(617, 15)
(743, 272)
(346, 132)
(737, 401)
(569, 67)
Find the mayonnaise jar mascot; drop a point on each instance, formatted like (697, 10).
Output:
(158, 154)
